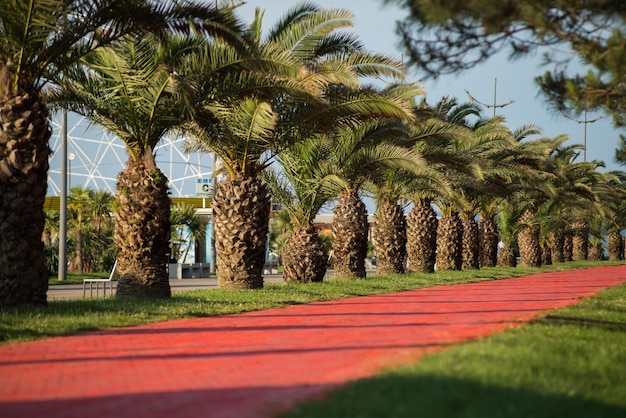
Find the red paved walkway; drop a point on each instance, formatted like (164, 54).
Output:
(258, 364)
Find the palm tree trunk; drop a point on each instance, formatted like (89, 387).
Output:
(470, 252)
(580, 240)
(528, 241)
(142, 230)
(568, 246)
(390, 239)
(596, 253)
(556, 241)
(241, 208)
(305, 257)
(24, 135)
(488, 238)
(350, 230)
(506, 257)
(422, 237)
(616, 246)
(80, 268)
(449, 242)
(546, 255)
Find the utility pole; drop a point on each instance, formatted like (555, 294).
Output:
(584, 122)
(494, 105)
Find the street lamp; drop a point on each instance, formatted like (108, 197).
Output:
(70, 157)
(63, 206)
(494, 105)
(584, 122)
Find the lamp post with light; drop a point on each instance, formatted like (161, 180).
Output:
(70, 158)
(63, 205)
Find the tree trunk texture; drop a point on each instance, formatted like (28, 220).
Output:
(390, 239)
(80, 266)
(350, 230)
(596, 252)
(422, 238)
(488, 242)
(471, 245)
(528, 241)
(546, 255)
(616, 246)
(24, 135)
(142, 230)
(507, 258)
(449, 242)
(568, 246)
(242, 211)
(305, 257)
(580, 240)
(556, 242)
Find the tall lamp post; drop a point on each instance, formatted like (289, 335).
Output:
(585, 121)
(494, 105)
(70, 158)
(63, 205)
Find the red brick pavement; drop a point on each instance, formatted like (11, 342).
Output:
(261, 363)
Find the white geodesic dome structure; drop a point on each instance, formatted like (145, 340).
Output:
(95, 157)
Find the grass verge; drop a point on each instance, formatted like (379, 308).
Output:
(70, 317)
(549, 368)
(75, 278)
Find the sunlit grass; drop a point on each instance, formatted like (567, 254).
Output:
(543, 369)
(75, 278)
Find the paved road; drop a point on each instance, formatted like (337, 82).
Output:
(259, 364)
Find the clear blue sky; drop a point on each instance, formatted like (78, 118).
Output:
(375, 26)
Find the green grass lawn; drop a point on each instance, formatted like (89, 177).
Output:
(543, 369)
(76, 278)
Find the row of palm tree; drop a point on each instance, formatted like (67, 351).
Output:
(90, 228)
(41, 41)
(291, 119)
(485, 172)
(90, 246)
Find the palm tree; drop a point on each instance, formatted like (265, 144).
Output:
(577, 201)
(299, 185)
(39, 40)
(432, 135)
(535, 189)
(358, 155)
(580, 230)
(422, 226)
(389, 229)
(300, 81)
(615, 245)
(130, 89)
(449, 237)
(281, 227)
(187, 227)
(435, 139)
(597, 231)
(506, 163)
(79, 217)
(457, 230)
(612, 194)
(488, 233)
(529, 187)
(508, 224)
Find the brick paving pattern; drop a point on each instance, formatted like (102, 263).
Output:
(261, 363)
